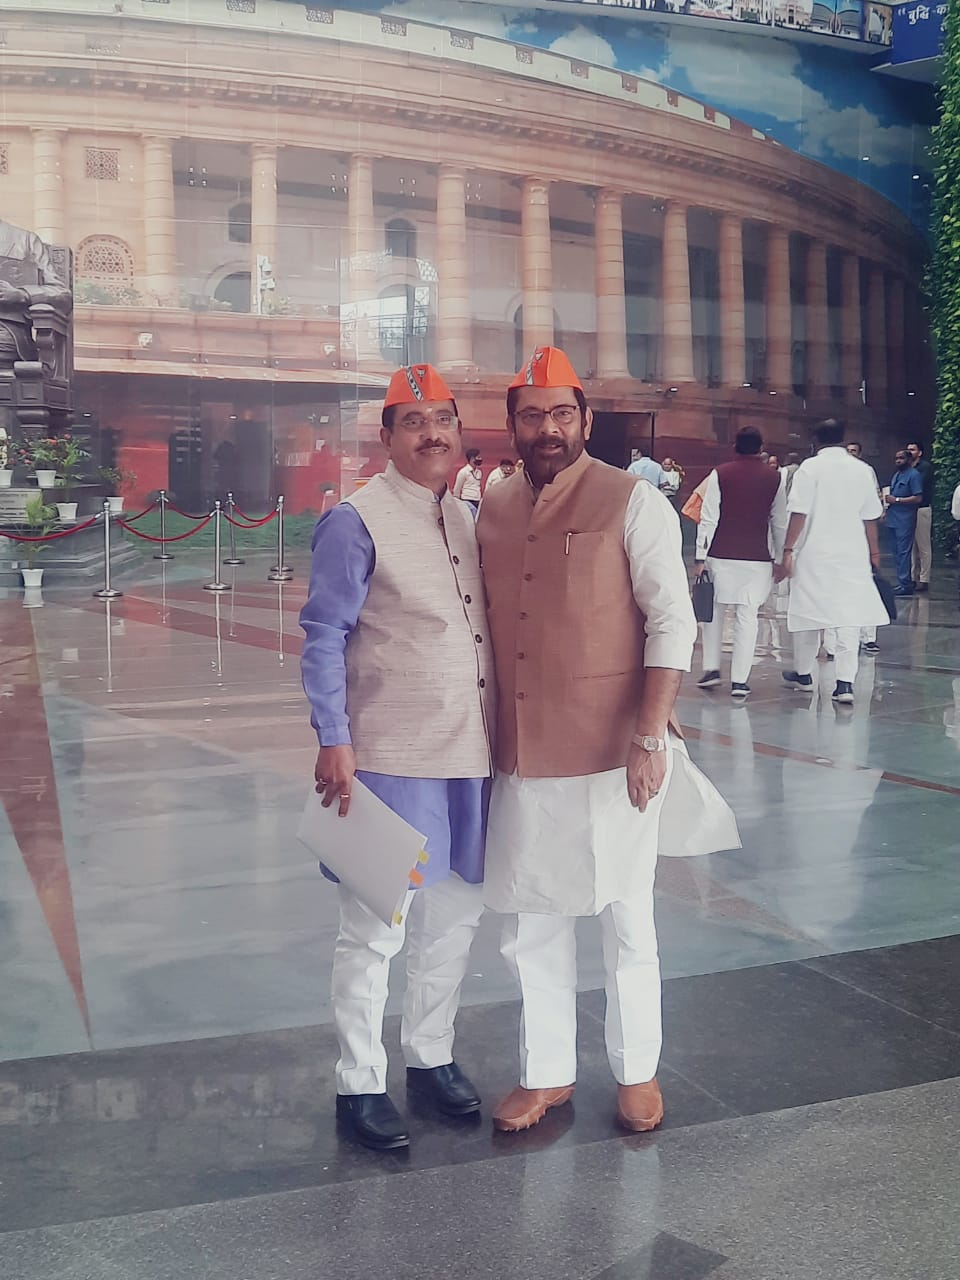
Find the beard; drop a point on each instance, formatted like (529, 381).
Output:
(542, 464)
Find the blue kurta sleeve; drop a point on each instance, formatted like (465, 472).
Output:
(343, 560)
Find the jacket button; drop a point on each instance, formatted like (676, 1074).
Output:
(440, 522)
(479, 639)
(531, 537)
(521, 656)
(522, 616)
(467, 600)
(520, 697)
(456, 559)
(483, 684)
(528, 577)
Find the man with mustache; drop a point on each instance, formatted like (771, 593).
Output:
(592, 627)
(398, 668)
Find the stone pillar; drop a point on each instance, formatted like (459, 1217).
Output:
(536, 265)
(818, 325)
(359, 253)
(49, 220)
(159, 218)
(263, 217)
(454, 317)
(851, 353)
(610, 287)
(779, 311)
(897, 338)
(732, 304)
(677, 315)
(876, 338)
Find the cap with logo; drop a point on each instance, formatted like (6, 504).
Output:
(415, 383)
(547, 367)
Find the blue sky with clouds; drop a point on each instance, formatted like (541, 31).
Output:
(824, 103)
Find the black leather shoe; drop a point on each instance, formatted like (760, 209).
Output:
(373, 1120)
(446, 1087)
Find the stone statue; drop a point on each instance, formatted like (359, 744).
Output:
(28, 277)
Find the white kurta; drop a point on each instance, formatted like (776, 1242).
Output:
(740, 581)
(832, 583)
(571, 846)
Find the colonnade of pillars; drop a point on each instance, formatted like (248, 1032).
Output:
(885, 310)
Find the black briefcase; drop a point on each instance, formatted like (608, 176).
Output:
(886, 594)
(703, 597)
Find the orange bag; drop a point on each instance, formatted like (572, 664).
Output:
(694, 504)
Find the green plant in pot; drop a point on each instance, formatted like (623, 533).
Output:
(58, 455)
(115, 480)
(39, 520)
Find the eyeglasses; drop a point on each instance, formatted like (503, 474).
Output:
(561, 414)
(419, 421)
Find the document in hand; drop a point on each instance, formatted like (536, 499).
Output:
(695, 818)
(372, 851)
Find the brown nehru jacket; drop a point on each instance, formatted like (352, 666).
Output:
(568, 636)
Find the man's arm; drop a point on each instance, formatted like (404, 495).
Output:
(460, 481)
(709, 519)
(343, 560)
(652, 541)
(873, 542)
(778, 520)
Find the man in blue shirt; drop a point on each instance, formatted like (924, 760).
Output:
(902, 503)
(647, 469)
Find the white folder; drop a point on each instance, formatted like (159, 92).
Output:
(694, 817)
(372, 851)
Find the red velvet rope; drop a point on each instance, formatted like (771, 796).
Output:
(51, 537)
(149, 538)
(253, 520)
(145, 512)
(186, 514)
(253, 524)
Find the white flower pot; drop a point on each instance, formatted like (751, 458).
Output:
(116, 506)
(31, 577)
(67, 512)
(33, 596)
(46, 479)
(6, 477)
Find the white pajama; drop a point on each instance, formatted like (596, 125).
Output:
(846, 641)
(439, 928)
(541, 950)
(746, 625)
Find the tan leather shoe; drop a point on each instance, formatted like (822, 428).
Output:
(639, 1106)
(523, 1108)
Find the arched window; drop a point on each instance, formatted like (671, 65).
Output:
(235, 290)
(404, 320)
(238, 223)
(400, 238)
(106, 258)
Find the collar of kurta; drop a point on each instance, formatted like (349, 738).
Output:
(562, 482)
(410, 487)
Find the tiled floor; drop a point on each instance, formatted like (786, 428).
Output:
(154, 756)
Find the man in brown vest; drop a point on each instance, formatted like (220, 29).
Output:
(592, 626)
(742, 526)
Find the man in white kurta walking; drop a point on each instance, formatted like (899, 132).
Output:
(592, 626)
(831, 544)
(742, 526)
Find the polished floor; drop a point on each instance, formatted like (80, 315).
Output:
(165, 1050)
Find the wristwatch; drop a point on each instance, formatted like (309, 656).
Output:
(648, 743)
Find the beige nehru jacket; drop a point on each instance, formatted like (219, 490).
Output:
(421, 690)
(568, 634)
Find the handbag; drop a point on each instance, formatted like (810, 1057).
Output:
(703, 595)
(885, 591)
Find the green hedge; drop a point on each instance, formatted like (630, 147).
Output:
(945, 274)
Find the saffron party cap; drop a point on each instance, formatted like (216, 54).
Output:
(547, 367)
(415, 383)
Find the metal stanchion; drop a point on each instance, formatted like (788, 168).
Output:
(163, 553)
(281, 572)
(232, 558)
(216, 584)
(107, 591)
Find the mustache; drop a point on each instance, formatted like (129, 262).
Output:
(433, 444)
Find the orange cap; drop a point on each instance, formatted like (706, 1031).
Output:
(547, 367)
(415, 383)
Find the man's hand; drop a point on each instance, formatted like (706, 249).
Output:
(12, 295)
(701, 569)
(646, 771)
(784, 569)
(334, 773)
(888, 500)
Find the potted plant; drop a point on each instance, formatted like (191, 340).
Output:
(57, 454)
(11, 452)
(115, 481)
(40, 520)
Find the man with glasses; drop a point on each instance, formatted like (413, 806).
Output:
(398, 669)
(592, 627)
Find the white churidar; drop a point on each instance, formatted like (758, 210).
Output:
(832, 584)
(846, 650)
(440, 925)
(746, 625)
